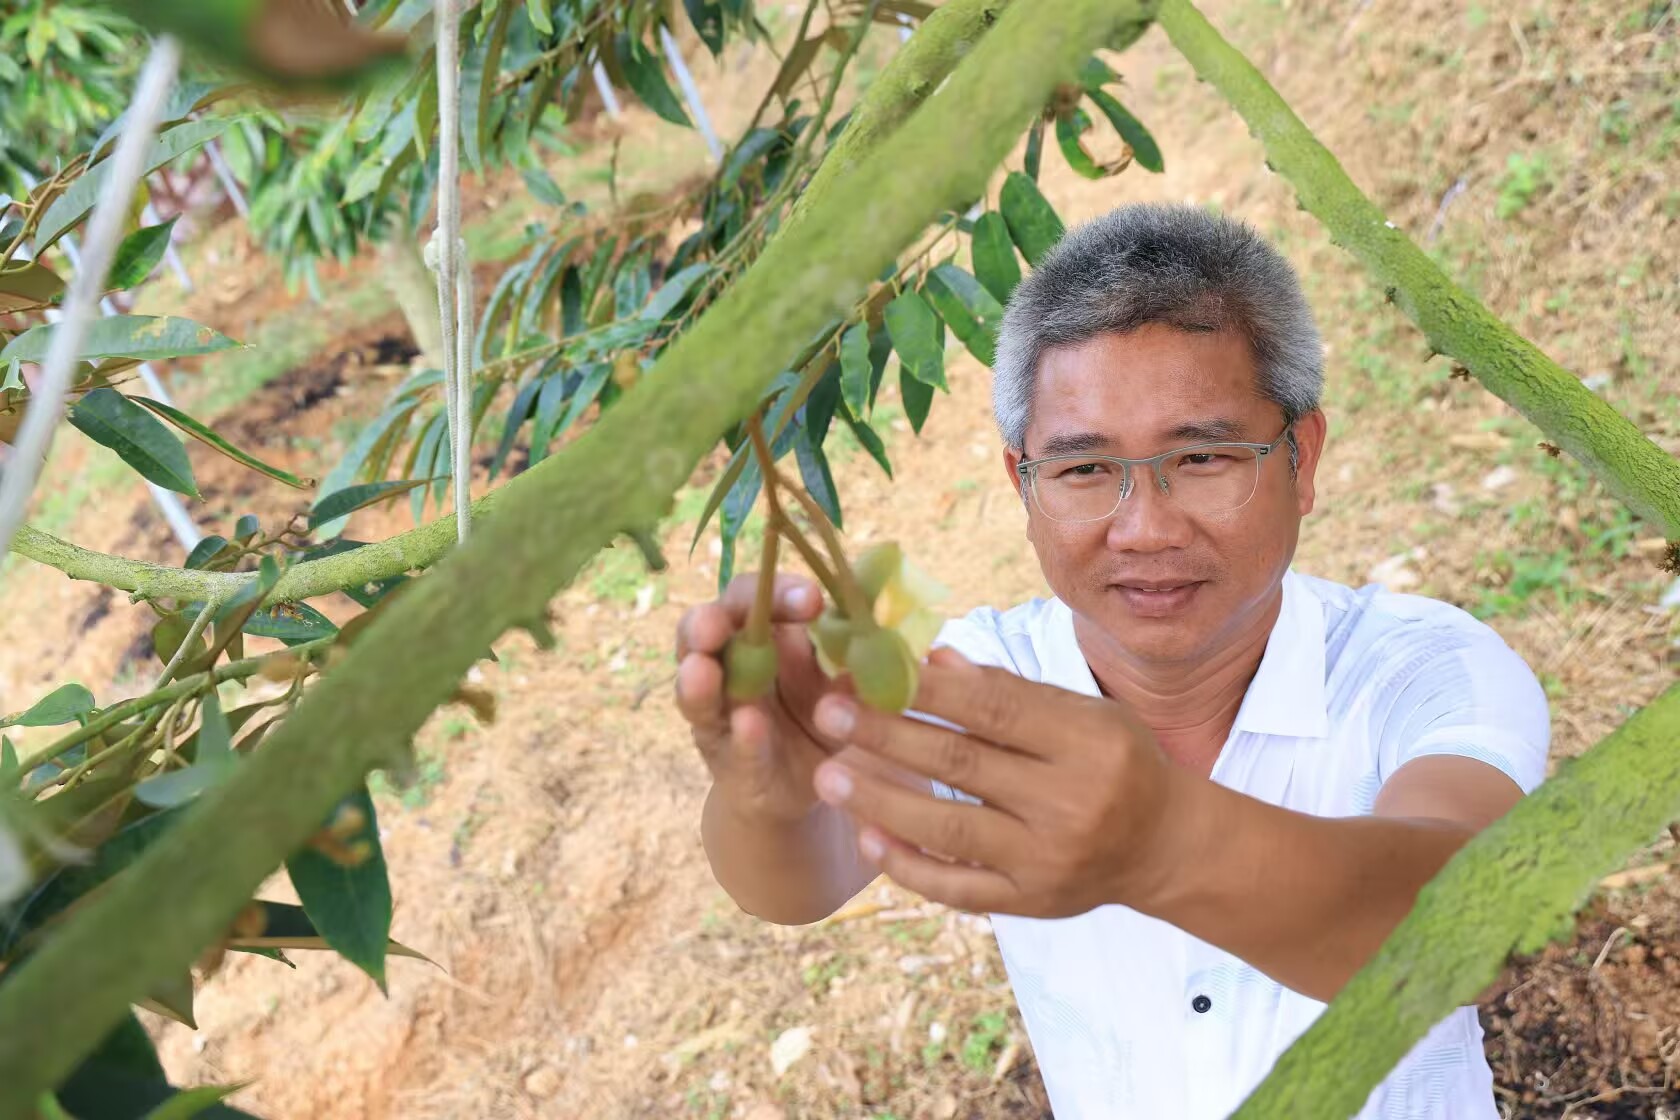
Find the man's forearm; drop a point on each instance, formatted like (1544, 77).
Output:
(1306, 900)
(790, 874)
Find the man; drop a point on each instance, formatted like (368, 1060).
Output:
(1195, 790)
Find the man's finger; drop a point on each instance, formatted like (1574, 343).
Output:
(996, 775)
(797, 598)
(971, 833)
(1036, 719)
(700, 692)
(977, 889)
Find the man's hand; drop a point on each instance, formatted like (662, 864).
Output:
(1075, 791)
(761, 754)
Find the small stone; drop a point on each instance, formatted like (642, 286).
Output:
(631, 1042)
(790, 1046)
(936, 1031)
(1395, 573)
(644, 600)
(764, 1110)
(719, 1082)
(542, 1082)
(1442, 499)
(1597, 382)
(945, 1107)
(1499, 477)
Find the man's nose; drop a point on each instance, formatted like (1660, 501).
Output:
(1148, 520)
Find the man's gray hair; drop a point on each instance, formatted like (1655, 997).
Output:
(1159, 263)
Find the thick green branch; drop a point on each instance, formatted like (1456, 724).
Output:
(151, 922)
(1512, 888)
(1634, 468)
(916, 71)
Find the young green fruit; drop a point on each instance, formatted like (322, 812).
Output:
(883, 669)
(749, 669)
(831, 633)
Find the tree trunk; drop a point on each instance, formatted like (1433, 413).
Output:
(415, 289)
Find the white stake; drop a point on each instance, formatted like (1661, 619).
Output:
(110, 213)
(691, 92)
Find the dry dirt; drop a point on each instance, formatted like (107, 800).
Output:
(550, 863)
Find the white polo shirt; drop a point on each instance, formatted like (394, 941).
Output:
(1131, 1017)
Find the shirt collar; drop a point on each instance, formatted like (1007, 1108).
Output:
(1287, 694)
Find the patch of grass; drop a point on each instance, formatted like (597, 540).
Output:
(1526, 175)
(429, 774)
(1525, 577)
(984, 1038)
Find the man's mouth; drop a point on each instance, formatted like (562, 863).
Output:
(1157, 598)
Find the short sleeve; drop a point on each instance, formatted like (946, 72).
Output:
(1470, 695)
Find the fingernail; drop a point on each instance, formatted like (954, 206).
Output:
(800, 598)
(834, 784)
(871, 847)
(835, 717)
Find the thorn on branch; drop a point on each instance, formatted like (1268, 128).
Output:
(1460, 372)
(649, 546)
(1550, 448)
(1670, 563)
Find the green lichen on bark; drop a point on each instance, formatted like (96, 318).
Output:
(152, 921)
(1455, 323)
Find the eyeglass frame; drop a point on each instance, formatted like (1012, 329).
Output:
(1262, 452)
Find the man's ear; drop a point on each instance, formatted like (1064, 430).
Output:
(1011, 463)
(1311, 432)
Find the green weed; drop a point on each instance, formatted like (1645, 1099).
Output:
(1526, 175)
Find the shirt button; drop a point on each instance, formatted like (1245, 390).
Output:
(1202, 1005)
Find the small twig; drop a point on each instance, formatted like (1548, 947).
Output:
(193, 633)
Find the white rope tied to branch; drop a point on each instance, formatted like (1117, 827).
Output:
(444, 255)
(81, 304)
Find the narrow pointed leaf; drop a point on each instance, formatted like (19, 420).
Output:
(973, 315)
(918, 397)
(189, 1104)
(646, 76)
(1131, 130)
(594, 377)
(109, 418)
(1070, 128)
(818, 479)
(287, 926)
(204, 434)
(672, 293)
(855, 369)
(63, 704)
(204, 550)
(173, 999)
(353, 498)
(73, 205)
(138, 255)
(707, 18)
(733, 517)
(291, 623)
(919, 337)
(517, 414)
(720, 490)
(871, 442)
(1032, 221)
(349, 905)
(995, 264)
(26, 283)
(142, 337)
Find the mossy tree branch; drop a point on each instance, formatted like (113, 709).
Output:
(1517, 884)
(152, 921)
(1455, 323)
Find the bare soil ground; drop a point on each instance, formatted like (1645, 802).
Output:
(550, 862)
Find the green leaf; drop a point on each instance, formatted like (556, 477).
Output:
(919, 337)
(139, 254)
(752, 147)
(245, 530)
(550, 406)
(517, 414)
(1070, 127)
(671, 293)
(707, 18)
(204, 550)
(973, 315)
(64, 704)
(720, 490)
(1094, 73)
(733, 517)
(190, 1103)
(11, 770)
(542, 184)
(349, 905)
(1032, 221)
(537, 12)
(350, 467)
(173, 999)
(819, 480)
(73, 205)
(1131, 130)
(291, 623)
(143, 337)
(286, 926)
(215, 741)
(994, 256)
(1035, 149)
(855, 369)
(824, 399)
(353, 498)
(481, 66)
(918, 397)
(594, 376)
(647, 78)
(26, 283)
(871, 442)
(204, 434)
(177, 787)
(109, 418)
(571, 302)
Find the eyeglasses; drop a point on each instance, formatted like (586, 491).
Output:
(1204, 478)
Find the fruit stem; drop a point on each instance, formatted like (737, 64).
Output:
(856, 599)
(841, 585)
(758, 622)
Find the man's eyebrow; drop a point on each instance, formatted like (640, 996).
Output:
(1208, 431)
(1211, 430)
